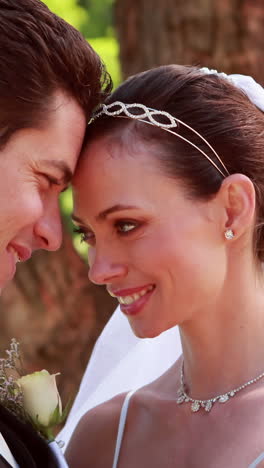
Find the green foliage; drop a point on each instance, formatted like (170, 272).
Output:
(107, 48)
(66, 206)
(100, 21)
(94, 18)
(70, 11)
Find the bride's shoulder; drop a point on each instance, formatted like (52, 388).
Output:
(93, 441)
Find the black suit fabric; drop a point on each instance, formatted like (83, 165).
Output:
(26, 446)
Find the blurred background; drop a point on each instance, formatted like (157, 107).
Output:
(51, 307)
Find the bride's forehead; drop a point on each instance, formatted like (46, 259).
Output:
(98, 184)
(112, 154)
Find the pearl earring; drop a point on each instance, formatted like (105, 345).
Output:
(229, 234)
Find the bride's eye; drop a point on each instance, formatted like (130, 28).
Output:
(86, 236)
(125, 227)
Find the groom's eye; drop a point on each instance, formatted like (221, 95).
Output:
(64, 188)
(49, 181)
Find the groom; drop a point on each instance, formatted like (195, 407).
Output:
(50, 81)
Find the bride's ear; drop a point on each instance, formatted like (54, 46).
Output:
(238, 198)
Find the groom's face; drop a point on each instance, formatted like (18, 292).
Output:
(35, 166)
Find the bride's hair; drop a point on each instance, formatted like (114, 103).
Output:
(212, 106)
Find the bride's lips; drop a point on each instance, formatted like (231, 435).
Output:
(132, 300)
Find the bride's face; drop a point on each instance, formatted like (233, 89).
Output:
(159, 252)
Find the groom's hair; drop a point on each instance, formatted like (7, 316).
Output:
(40, 53)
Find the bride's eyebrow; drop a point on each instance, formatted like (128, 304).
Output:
(103, 214)
(77, 219)
(113, 209)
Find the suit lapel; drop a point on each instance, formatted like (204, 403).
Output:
(27, 447)
(4, 463)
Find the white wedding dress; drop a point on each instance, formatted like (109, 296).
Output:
(121, 361)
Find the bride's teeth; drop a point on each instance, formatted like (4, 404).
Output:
(134, 297)
(143, 292)
(111, 294)
(128, 300)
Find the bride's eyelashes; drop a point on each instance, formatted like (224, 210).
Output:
(86, 236)
(122, 227)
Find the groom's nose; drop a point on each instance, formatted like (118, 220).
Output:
(48, 228)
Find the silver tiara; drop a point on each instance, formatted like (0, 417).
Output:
(149, 116)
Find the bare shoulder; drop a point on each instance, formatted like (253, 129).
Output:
(93, 441)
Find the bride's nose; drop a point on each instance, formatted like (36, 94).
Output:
(104, 269)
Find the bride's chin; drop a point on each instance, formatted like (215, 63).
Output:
(144, 332)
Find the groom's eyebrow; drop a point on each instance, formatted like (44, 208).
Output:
(62, 166)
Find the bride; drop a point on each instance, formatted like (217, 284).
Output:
(169, 196)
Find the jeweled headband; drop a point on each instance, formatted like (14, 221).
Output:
(147, 115)
(254, 91)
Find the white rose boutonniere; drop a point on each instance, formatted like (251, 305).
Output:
(41, 401)
(33, 397)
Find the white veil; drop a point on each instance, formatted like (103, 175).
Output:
(120, 362)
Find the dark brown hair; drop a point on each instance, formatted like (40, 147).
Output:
(39, 54)
(212, 106)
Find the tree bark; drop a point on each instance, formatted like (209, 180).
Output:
(223, 34)
(55, 313)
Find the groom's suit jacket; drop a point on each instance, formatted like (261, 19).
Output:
(4, 463)
(27, 447)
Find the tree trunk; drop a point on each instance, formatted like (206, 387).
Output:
(56, 314)
(223, 34)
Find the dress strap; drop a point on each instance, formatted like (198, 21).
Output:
(256, 462)
(121, 427)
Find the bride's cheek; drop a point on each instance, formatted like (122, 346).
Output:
(91, 253)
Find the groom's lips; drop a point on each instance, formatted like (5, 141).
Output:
(23, 252)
